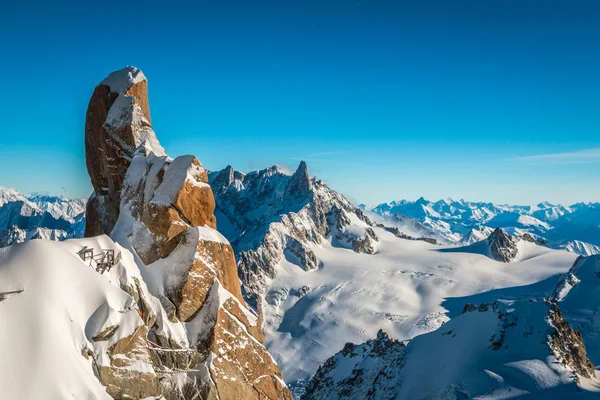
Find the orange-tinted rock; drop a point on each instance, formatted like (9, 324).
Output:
(117, 122)
(240, 365)
(163, 209)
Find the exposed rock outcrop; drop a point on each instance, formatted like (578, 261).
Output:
(299, 185)
(567, 344)
(188, 295)
(503, 247)
(364, 381)
(117, 122)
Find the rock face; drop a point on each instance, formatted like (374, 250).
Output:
(577, 296)
(503, 247)
(269, 215)
(187, 289)
(299, 185)
(117, 122)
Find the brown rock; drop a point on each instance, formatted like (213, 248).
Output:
(164, 209)
(121, 378)
(117, 122)
(240, 366)
(211, 261)
(567, 344)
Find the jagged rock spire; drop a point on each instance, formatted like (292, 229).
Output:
(117, 122)
(224, 178)
(503, 247)
(163, 210)
(299, 185)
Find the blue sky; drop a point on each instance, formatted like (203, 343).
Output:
(482, 100)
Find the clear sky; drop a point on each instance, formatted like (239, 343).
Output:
(483, 100)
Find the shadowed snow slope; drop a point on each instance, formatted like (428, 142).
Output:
(492, 351)
(578, 296)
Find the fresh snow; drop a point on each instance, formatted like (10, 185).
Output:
(120, 81)
(47, 326)
(404, 289)
(182, 169)
(209, 234)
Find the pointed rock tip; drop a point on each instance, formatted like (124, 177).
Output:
(499, 232)
(302, 168)
(120, 81)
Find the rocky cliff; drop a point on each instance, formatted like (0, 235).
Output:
(270, 215)
(186, 285)
(503, 247)
(116, 123)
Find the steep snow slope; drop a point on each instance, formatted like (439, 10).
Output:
(24, 217)
(530, 341)
(523, 344)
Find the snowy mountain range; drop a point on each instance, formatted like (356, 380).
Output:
(24, 217)
(574, 228)
(322, 272)
(215, 285)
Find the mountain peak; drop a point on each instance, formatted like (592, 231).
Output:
(299, 184)
(503, 247)
(115, 126)
(224, 178)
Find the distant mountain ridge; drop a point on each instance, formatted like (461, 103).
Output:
(575, 227)
(24, 217)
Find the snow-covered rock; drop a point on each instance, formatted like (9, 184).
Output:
(578, 295)
(270, 216)
(323, 272)
(53, 307)
(532, 340)
(582, 248)
(503, 247)
(117, 122)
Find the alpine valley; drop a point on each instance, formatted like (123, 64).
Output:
(225, 285)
